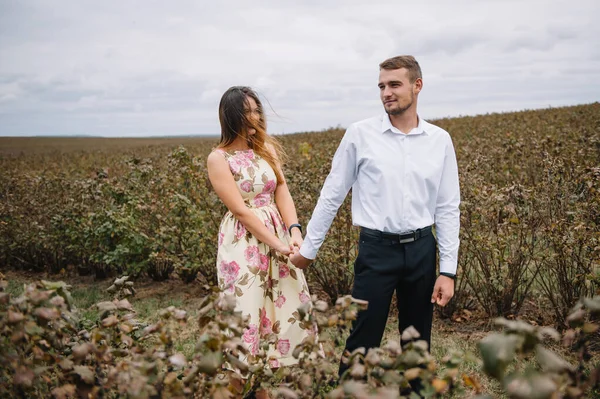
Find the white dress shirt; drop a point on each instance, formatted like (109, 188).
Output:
(400, 182)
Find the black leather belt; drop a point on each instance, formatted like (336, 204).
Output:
(401, 238)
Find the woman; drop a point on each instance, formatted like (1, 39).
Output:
(254, 240)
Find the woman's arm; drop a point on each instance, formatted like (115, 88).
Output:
(286, 207)
(285, 204)
(224, 185)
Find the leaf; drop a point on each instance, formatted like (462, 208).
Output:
(575, 319)
(57, 301)
(410, 334)
(593, 304)
(551, 362)
(304, 309)
(170, 378)
(32, 329)
(244, 279)
(47, 313)
(590, 328)
(106, 306)
(387, 393)
(210, 363)
(110, 321)
(277, 327)
(178, 360)
(354, 389)
(439, 385)
(531, 386)
(17, 336)
(124, 304)
(125, 327)
(179, 314)
(472, 382)
(64, 392)
(24, 377)
(81, 351)
(412, 373)
(85, 373)
(286, 393)
(497, 351)
(53, 285)
(121, 281)
(321, 306)
(237, 363)
(66, 364)
(293, 273)
(221, 393)
(15, 317)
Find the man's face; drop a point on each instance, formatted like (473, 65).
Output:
(396, 92)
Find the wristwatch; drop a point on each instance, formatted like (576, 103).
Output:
(452, 276)
(298, 225)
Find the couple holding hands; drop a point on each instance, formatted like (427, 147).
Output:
(404, 179)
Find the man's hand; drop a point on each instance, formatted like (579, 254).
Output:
(300, 261)
(443, 290)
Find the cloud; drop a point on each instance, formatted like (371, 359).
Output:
(146, 68)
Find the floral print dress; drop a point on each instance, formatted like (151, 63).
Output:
(267, 286)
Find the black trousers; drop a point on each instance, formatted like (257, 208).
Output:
(382, 267)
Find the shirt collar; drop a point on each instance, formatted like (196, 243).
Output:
(386, 125)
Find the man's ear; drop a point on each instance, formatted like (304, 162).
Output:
(418, 85)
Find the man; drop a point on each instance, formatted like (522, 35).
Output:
(404, 179)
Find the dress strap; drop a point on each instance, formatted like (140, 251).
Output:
(223, 152)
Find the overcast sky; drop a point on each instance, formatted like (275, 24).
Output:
(137, 68)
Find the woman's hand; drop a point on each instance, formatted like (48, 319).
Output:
(297, 239)
(284, 249)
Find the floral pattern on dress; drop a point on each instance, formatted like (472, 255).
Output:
(267, 286)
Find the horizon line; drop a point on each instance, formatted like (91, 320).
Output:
(216, 135)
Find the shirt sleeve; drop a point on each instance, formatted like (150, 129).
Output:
(337, 184)
(447, 213)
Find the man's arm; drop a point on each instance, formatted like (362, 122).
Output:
(339, 181)
(447, 225)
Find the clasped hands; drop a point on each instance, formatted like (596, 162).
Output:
(443, 290)
(293, 250)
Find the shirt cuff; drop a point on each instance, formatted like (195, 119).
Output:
(448, 266)
(308, 252)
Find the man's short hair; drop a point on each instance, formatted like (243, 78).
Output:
(404, 61)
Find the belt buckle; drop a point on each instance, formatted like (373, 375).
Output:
(408, 239)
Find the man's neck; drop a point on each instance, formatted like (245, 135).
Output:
(405, 122)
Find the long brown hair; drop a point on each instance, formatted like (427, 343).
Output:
(236, 123)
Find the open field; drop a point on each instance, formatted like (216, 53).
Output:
(85, 210)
